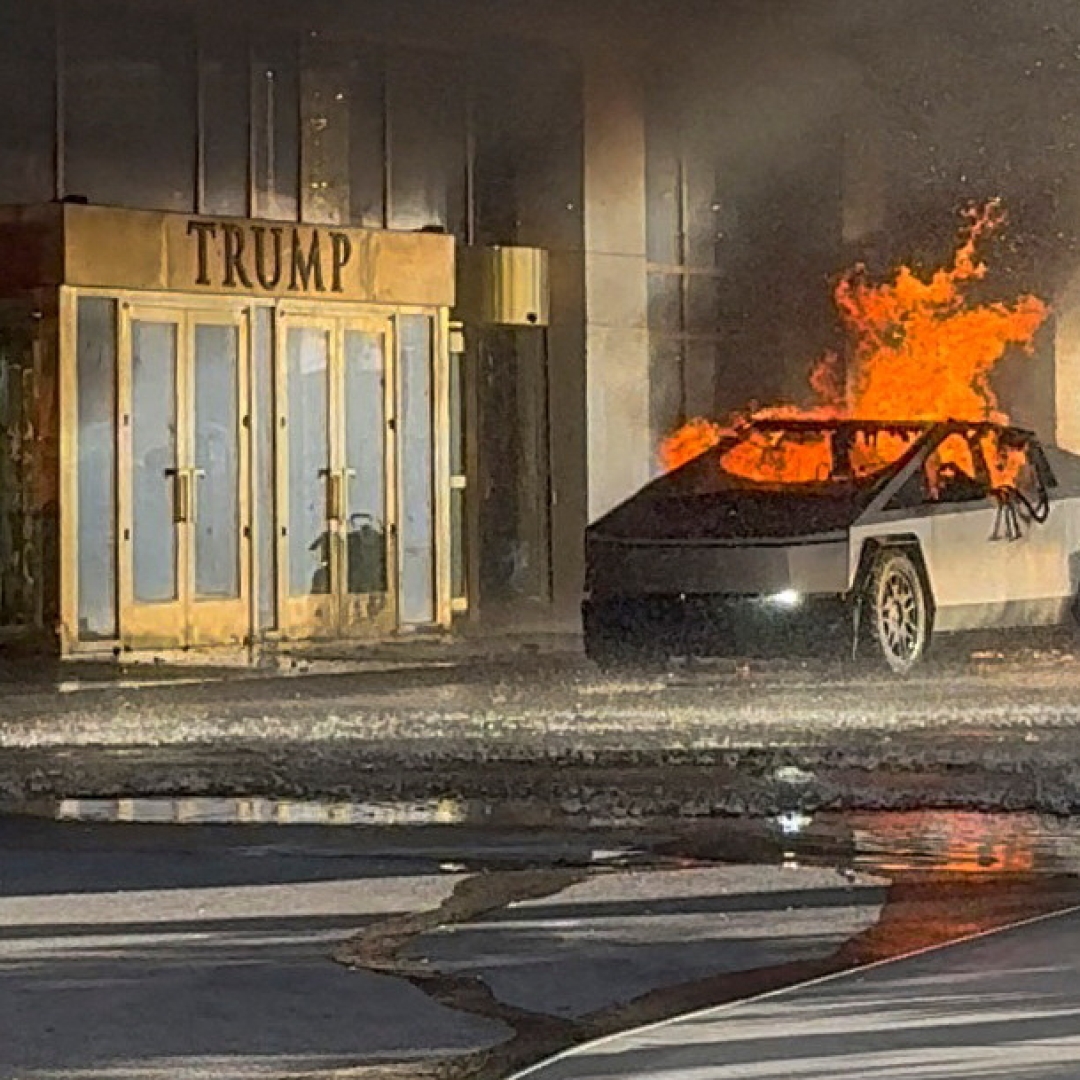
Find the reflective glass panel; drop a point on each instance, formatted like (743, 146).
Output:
(367, 138)
(153, 452)
(365, 461)
(307, 358)
(263, 482)
(217, 462)
(425, 106)
(96, 365)
(417, 481)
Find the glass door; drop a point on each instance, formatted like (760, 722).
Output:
(368, 564)
(183, 484)
(335, 504)
(217, 458)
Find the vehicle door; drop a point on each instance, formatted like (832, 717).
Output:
(995, 557)
(1032, 530)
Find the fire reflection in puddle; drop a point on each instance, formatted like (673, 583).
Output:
(939, 841)
(966, 843)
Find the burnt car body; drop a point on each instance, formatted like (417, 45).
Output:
(951, 527)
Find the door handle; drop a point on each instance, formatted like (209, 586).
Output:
(193, 494)
(344, 476)
(186, 508)
(179, 495)
(335, 496)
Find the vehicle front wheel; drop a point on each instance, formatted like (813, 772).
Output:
(896, 611)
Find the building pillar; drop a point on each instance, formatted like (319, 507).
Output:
(1066, 315)
(620, 450)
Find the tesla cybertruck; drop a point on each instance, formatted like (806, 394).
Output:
(879, 537)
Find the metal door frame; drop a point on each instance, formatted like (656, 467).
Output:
(189, 620)
(335, 614)
(218, 306)
(132, 631)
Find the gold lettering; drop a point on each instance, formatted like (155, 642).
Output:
(234, 252)
(306, 269)
(205, 231)
(341, 247)
(272, 279)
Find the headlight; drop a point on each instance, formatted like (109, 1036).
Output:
(788, 598)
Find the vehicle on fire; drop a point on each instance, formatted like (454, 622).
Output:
(883, 536)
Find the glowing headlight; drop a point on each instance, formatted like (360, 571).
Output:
(788, 598)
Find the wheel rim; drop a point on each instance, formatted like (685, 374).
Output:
(900, 616)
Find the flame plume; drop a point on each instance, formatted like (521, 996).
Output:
(919, 349)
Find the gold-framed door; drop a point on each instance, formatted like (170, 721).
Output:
(335, 493)
(184, 475)
(367, 551)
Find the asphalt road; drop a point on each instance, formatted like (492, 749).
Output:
(146, 952)
(1006, 1005)
(206, 955)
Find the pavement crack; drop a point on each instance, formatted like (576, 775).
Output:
(378, 948)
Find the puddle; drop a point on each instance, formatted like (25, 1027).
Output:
(892, 844)
(887, 843)
(207, 810)
(946, 841)
(966, 843)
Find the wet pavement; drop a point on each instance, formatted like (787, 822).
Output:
(1002, 1005)
(454, 865)
(402, 950)
(542, 736)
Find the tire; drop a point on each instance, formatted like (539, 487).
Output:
(897, 612)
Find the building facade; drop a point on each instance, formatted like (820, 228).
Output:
(292, 323)
(340, 320)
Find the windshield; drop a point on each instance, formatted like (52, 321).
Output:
(799, 454)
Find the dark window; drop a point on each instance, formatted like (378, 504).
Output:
(275, 111)
(367, 138)
(526, 122)
(426, 116)
(226, 133)
(130, 105)
(27, 103)
(324, 135)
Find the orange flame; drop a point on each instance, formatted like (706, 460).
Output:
(691, 440)
(920, 350)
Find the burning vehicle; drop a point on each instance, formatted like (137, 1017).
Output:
(885, 534)
(899, 506)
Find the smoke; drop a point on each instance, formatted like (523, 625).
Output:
(942, 103)
(842, 131)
